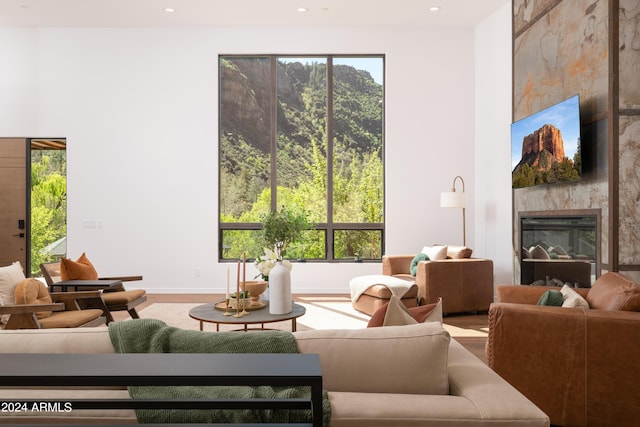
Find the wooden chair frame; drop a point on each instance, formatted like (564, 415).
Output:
(23, 316)
(49, 270)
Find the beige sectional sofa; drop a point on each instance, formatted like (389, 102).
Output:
(413, 375)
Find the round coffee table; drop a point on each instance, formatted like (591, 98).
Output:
(208, 313)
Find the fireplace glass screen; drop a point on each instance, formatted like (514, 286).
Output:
(558, 250)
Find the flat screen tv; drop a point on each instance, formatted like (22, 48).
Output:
(545, 146)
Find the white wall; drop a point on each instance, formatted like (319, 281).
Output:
(139, 110)
(492, 143)
(18, 86)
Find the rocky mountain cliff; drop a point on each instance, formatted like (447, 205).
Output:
(543, 159)
(548, 138)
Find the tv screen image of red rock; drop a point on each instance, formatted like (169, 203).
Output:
(545, 146)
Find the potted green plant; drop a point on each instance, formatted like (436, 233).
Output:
(279, 229)
(282, 227)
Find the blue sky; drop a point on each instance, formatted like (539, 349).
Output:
(564, 116)
(375, 66)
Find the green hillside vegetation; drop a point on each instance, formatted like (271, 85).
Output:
(48, 203)
(549, 170)
(301, 151)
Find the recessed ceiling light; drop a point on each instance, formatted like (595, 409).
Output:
(169, 9)
(434, 8)
(302, 9)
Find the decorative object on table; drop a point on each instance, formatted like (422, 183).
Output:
(242, 302)
(244, 290)
(227, 296)
(222, 306)
(255, 288)
(280, 300)
(238, 312)
(453, 199)
(264, 264)
(279, 229)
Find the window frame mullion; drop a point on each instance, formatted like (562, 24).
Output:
(330, 255)
(274, 131)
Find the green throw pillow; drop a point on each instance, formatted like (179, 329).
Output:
(551, 297)
(415, 261)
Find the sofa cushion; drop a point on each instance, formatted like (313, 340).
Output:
(571, 298)
(395, 359)
(69, 340)
(33, 291)
(459, 252)
(435, 252)
(551, 297)
(414, 263)
(614, 292)
(81, 269)
(396, 313)
(10, 276)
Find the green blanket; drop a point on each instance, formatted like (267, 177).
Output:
(154, 336)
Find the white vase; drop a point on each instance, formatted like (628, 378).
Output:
(280, 301)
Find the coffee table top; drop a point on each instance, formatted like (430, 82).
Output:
(208, 313)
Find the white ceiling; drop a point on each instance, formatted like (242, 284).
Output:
(200, 13)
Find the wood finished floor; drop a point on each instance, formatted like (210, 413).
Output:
(470, 322)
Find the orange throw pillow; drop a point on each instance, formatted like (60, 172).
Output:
(82, 269)
(419, 314)
(32, 291)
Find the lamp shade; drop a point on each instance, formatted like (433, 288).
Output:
(452, 199)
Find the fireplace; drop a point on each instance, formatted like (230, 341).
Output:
(559, 248)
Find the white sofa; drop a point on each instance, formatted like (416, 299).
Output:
(412, 375)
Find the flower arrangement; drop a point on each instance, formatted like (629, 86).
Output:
(266, 262)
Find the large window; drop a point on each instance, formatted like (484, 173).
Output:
(306, 133)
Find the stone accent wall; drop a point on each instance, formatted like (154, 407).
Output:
(629, 130)
(561, 48)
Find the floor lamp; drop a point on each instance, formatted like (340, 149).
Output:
(453, 199)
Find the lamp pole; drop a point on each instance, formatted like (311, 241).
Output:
(464, 226)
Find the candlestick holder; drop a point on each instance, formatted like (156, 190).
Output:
(244, 307)
(238, 312)
(226, 307)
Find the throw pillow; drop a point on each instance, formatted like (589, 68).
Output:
(81, 269)
(32, 291)
(459, 252)
(395, 313)
(414, 263)
(551, 297)
(428, 312)
(614, 291)
(10, 276)
(571, 298)
(435, 252)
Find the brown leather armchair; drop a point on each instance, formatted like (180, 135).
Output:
(580, 366)
(465, 284)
